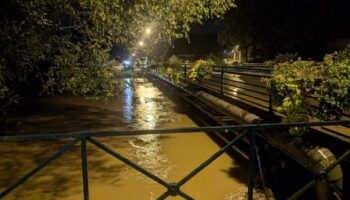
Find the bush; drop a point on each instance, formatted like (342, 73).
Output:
(289, 84)
(281, 58)
(172, 71)
(329, 81)
(201, 70)
(333, 93)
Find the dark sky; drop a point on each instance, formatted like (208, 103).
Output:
(320, 26)
(208, 27)
(203, 41)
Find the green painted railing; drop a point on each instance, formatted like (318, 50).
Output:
(173, 188)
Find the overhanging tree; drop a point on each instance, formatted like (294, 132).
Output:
(64, 45)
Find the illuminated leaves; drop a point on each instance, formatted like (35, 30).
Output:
(65, 44)
(328, 81)
(201, 70)
(333, 93)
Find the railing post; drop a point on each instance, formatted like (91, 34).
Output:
(251, 164)
(185, 72)
(270, 103)
(222, 80)
(321, 185)
(84, 169)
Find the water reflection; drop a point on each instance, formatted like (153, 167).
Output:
(142, 106)
(128, 108)
(146, 104)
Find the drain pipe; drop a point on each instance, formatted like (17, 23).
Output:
(239, 114)
(322, 158)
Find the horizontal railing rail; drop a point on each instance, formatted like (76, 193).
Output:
(174, 188)
(53, 136)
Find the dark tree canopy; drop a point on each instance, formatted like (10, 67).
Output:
(265, 28)
(64, 45)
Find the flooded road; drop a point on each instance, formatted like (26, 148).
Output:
(139, 106)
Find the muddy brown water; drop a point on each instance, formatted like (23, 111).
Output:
(139, 106)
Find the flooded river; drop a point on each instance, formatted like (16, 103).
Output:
(140, 105)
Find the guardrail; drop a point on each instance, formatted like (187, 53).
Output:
(173, 188)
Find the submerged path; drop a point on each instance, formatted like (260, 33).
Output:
(139, 106)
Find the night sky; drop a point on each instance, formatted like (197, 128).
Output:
(310, 28)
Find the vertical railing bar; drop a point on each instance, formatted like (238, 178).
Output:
(270, 103)
(222, 80)
(251, 165)
(185, 72)
(84, 169)
(260, 171)
(56, 155)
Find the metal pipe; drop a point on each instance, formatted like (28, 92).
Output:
(234, 111)
(327, 169)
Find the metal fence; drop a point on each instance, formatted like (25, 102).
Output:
(173, 188)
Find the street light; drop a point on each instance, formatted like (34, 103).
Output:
(148, 31)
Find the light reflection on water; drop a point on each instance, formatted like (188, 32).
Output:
(128, 107)
(143, 109)
(140, 106)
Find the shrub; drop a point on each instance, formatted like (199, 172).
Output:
(288, 85)
(281, 58)
(201, 70)
(329, 81)
(333, 93)
(172, 71)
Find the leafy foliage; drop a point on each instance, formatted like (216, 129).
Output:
(333, 93)
(201, 70)
(281, 58)
(289, 84)
(292, 81)
(64, 45)
(173, 71)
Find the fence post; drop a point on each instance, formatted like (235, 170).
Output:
(270, 103)
(251, 164)
(222, 80)
(185, 72)
(84, 169)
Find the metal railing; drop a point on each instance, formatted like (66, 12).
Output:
(173, 188)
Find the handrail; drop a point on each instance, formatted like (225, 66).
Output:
(55, 136)
(173, 188)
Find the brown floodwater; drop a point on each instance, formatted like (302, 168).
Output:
(140, 105)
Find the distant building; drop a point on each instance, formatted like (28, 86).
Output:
(174, 59)
(234, 56)
(187, 57)
(181, 58)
